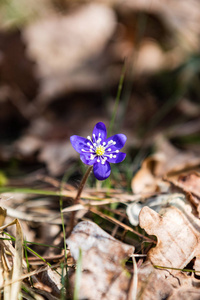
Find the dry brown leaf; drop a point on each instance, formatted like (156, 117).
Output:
(102, 264)
(165, 162)
(174, 160)
(185, 293)
(145, 181)
(152, 286)
(189, 183)
(51, 279)
(172, 230)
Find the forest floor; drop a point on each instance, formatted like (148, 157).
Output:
(65, 66)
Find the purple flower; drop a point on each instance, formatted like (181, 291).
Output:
(100, 151)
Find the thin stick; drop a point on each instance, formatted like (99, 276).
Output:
(113, 220)
(80, 189)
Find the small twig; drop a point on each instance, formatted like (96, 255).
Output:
(109, 218)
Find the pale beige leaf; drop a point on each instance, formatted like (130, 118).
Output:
(185, 293)
(177, 236)
(2, 216)
(7, 289)
(17, 263)
(102, 263)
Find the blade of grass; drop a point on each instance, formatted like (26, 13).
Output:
(176, 269)
(27, 242)
(33, 252)
(28, 191)
(26, 258)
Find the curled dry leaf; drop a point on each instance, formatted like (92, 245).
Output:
(152, 286)
(157, 204)
(190, 184)
(103, 262)
(177, 234)
(145, 180)
(51, 279)
(174, 160)
(165, 162)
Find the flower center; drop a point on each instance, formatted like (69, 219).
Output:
(100, 150)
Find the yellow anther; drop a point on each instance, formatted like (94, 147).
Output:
(100, 150)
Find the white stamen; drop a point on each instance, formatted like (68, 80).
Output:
(83, 150)
(98, 160)
(89, 138)
(109, 149)
(104, 143)
(89, 144)
(92, 156)
(110, 142)
(95, 144)
(114, 143)
(117, 151)
(111, 155)
(114, 156)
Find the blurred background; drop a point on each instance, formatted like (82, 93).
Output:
(61, 66)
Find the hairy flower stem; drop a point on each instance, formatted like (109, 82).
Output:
(80, 189)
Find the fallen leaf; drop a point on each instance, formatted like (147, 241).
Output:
(103, 262)
(151, 285)
(173, 160)
(145, 180)
(164, 163)
(188, 183)
(177, 237)
(185, 293)
(51, 279)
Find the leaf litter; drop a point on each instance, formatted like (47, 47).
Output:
(147, 243)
